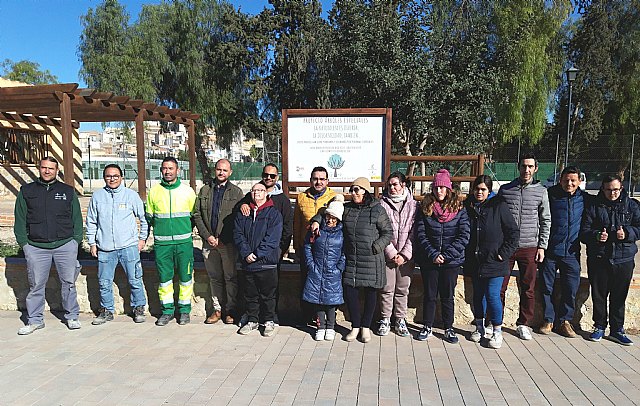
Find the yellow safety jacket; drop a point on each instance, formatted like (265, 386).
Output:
(169, 210)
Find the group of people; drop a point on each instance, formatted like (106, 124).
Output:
(364, 247)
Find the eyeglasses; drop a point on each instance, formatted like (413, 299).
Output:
(356, 190)
(269, 175)
(112, 176)
(258, 190)
(319, 179)
(617, 190)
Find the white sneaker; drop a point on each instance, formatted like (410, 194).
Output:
(29, 328)
(320, 334)
(477, 335)
(524, 333)
(496, 340)
(488, 331)
(73, 324)
(330, 334)
(384, 326)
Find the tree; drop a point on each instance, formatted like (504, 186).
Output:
(528, 42)
(26, 72)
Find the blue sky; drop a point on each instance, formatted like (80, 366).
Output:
(47, 32)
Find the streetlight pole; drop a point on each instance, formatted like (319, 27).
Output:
(572, 72)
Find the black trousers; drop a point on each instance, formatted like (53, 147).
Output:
(260, 295)
(443, 281)
(326, 316)
(607, 280)
(352, 298)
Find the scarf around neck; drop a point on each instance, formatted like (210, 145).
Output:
(399, 198)
(442, 215)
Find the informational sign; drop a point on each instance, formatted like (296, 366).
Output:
(348, 145)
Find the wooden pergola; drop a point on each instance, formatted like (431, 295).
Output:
(66, 106)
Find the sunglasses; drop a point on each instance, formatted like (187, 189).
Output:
(355, 189)
(269, 175)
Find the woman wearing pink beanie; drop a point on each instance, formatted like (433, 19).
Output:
(442, 236)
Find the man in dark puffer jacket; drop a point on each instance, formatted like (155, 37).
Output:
(567, 202)
(610, 228)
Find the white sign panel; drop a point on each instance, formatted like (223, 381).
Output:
(348, 146)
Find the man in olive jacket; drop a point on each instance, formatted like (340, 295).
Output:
(214, 217)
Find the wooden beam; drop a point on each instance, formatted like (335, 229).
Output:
(85, 92)
(142, 175)
(67, 140)
(191, 145)
(102, 96)
(40, 89)
(120, 99)
(135, 103)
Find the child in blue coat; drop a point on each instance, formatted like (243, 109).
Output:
(325, 262)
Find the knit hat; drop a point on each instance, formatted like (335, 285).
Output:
(336, 207)
(442, 178)
(362, 182)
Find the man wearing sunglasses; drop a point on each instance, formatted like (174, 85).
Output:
(214, 217)
(114, 237)
(307, 205)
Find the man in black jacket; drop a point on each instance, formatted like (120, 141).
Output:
(48, 227)
(610, 229)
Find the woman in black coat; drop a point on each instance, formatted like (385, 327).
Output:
(367, 231)
(442, 235)
(494, 238)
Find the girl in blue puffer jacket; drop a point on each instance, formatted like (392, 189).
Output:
(325, 262)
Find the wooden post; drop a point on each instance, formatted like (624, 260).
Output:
(140, 153)
(67, 140)
(191, 146)
(481, 164)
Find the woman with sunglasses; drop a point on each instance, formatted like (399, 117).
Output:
(367, 232)
(401, 208)
(494, 239)
(442, 234)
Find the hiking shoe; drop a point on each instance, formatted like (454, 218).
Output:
(597, 334)
(184, 319)
(524, 333)
(495, 341)
(269, 329)
(384, 326)
(330, 334)
(29, 328)
(104, 316)
(450, 336)
(214, 318)
(620, 337)
(320, 334)
(401, 328)
(138, 314)
(247, 328)
(566, 329)
(546, 328)
(74, 324)
(424, 334)
(477, 335)
(164, 319)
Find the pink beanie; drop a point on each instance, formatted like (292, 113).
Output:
(442, 178)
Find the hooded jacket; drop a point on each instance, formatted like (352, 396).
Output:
(402, 225)
(326, 262)
(259, 233)
(493, 232)
(111, 218)
(610, 215)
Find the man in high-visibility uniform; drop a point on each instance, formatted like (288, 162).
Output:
(169, 209)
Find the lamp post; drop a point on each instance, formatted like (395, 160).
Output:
(572, 72)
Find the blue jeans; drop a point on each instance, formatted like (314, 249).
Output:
(129, 258)
(569, 282)
(486, 293)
